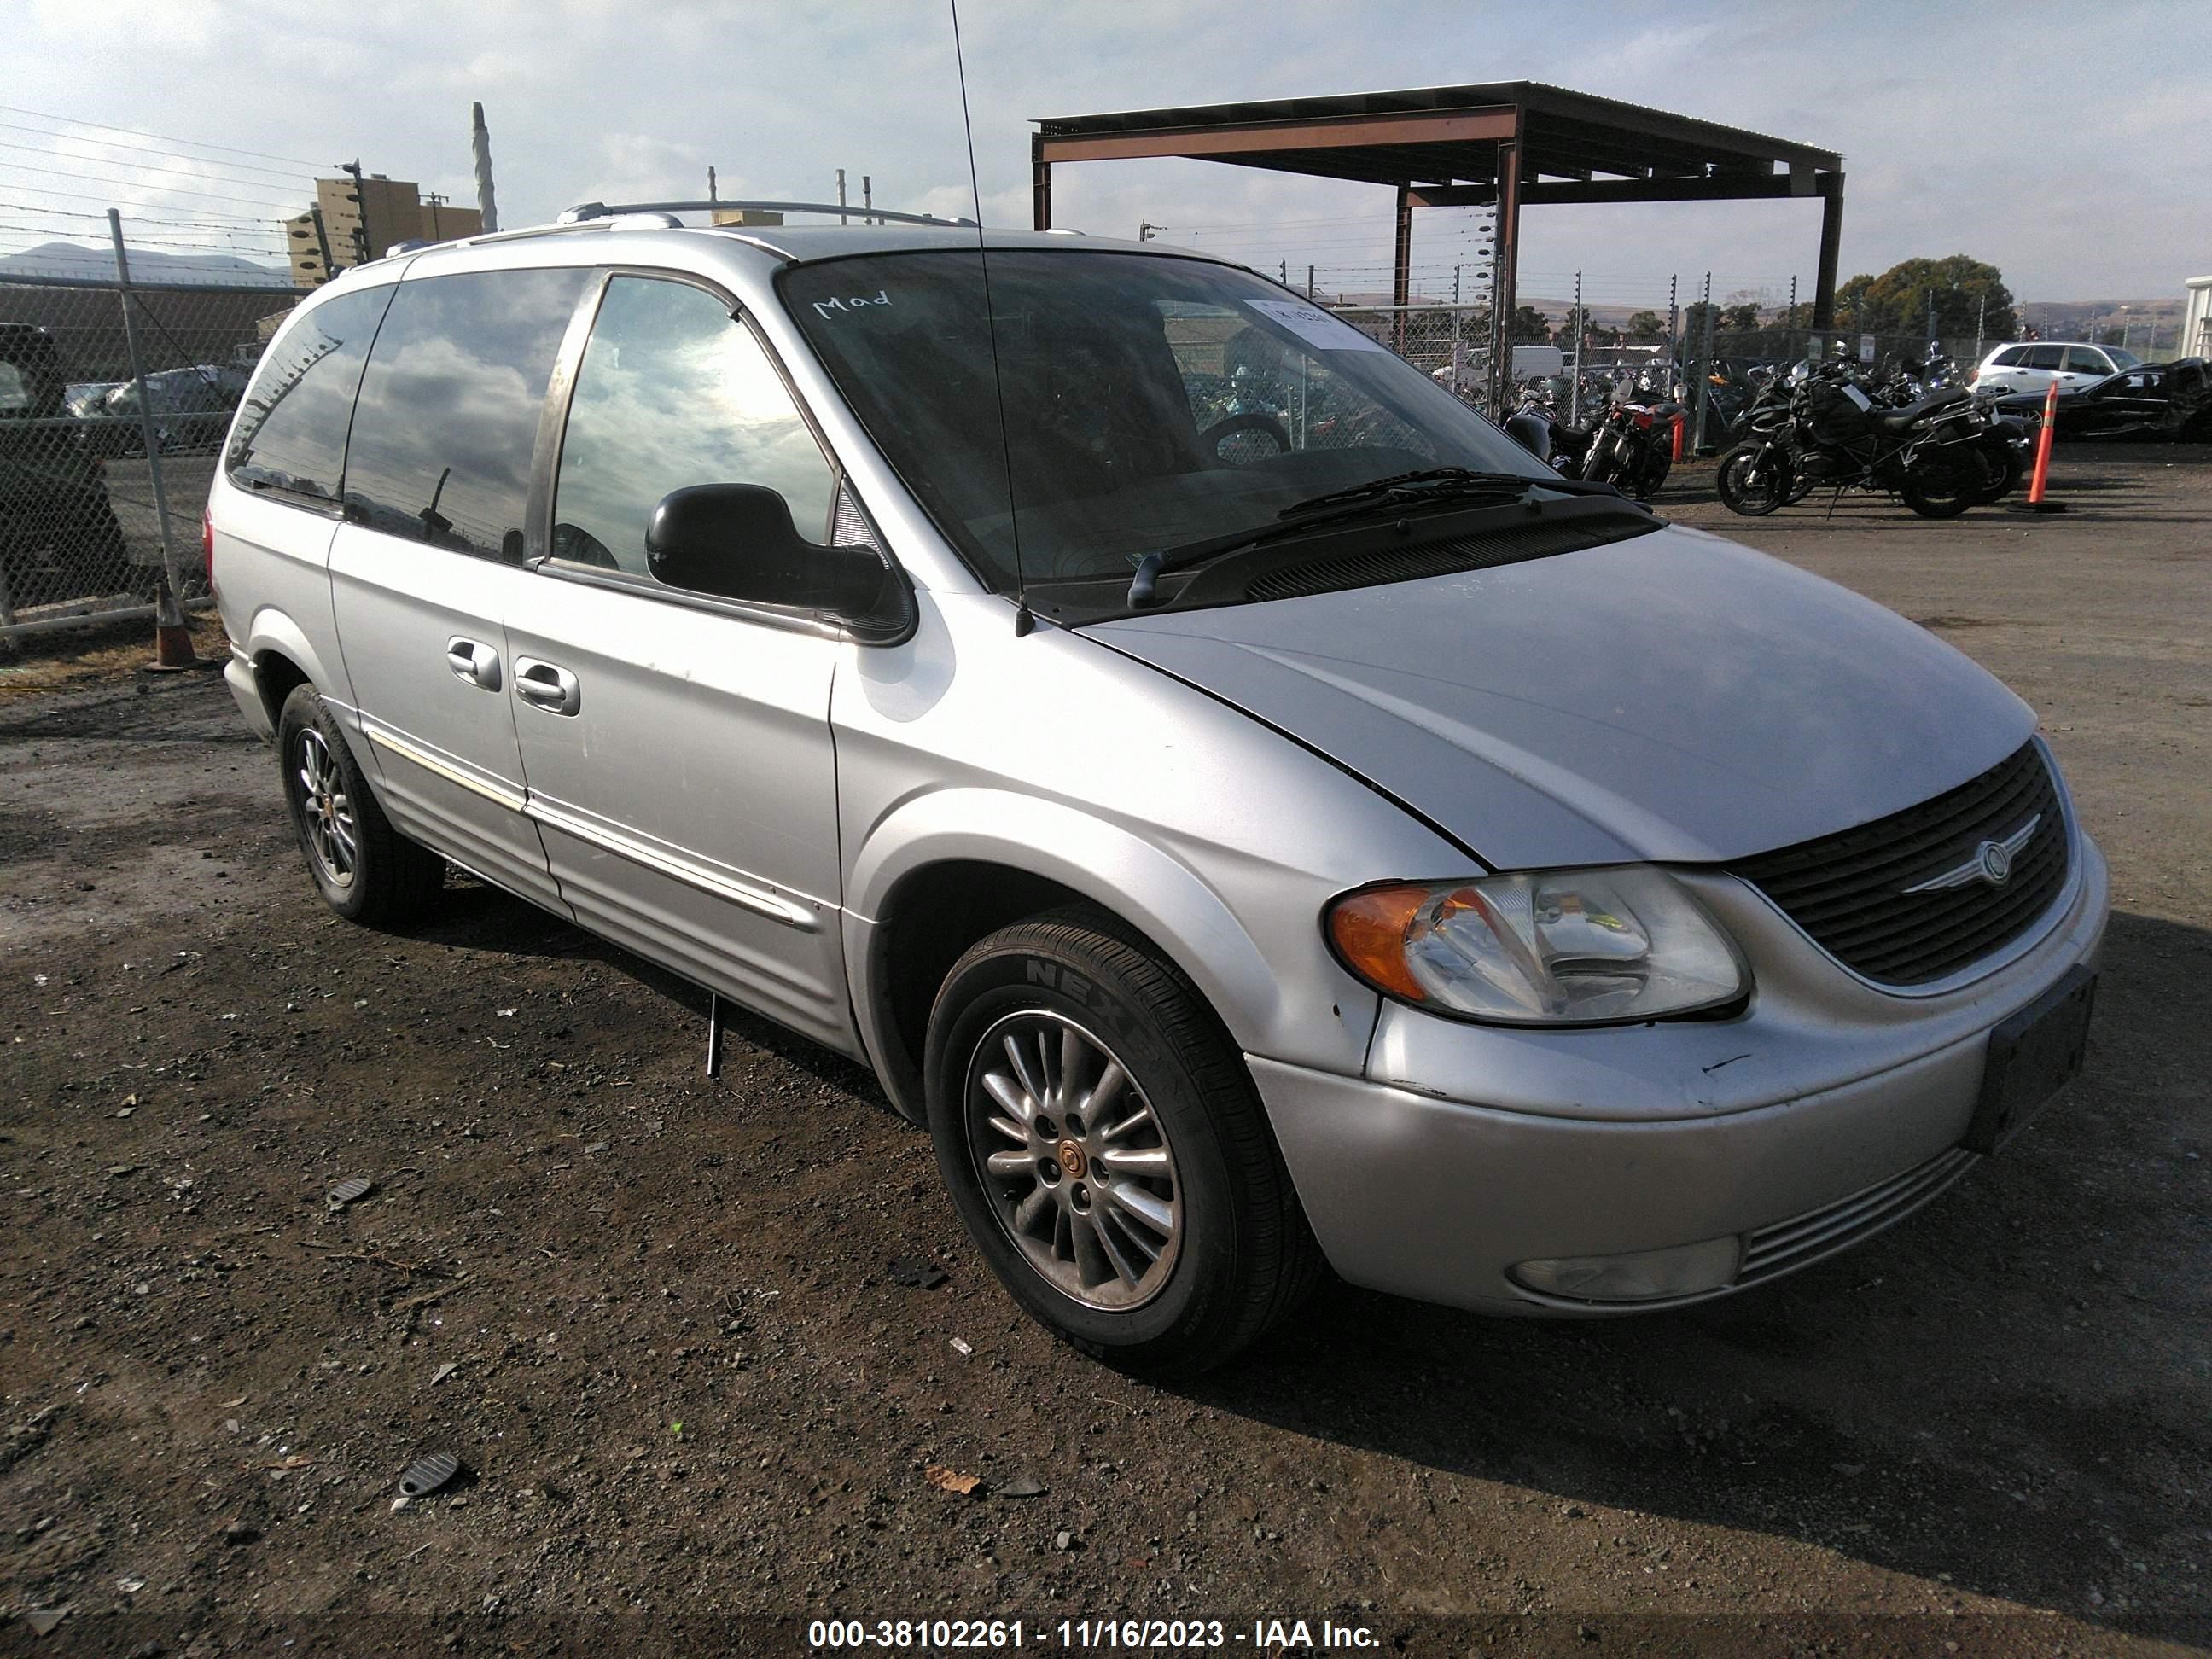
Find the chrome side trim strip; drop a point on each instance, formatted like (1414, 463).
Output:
(760, 900)
(429, 763)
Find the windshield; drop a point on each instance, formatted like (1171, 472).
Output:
(2123, 359)
(1150, 402)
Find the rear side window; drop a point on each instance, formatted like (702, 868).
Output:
(2011, 357)
(674, 391)
(447, 416)
(2045, 356)
(291, 430)
(2083, 361)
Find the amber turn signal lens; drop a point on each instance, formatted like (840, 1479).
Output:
(1368, 931)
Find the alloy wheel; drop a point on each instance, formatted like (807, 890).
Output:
(1074, 1163)
(327, 811)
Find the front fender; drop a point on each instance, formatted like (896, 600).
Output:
(1307, 1007)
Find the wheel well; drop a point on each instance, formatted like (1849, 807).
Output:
(932, 917)
(275, 674)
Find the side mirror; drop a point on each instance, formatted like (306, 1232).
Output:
(737, 542)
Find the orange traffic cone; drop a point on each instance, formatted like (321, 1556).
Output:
(173, 638)
(2041, 477)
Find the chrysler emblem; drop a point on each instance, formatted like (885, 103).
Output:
(1991, 862)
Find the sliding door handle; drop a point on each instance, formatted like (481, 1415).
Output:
(474, 661)
(547, 685)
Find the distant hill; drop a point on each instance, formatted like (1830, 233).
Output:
(71, 259)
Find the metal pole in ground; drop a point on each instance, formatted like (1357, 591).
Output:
(1574, 386)
(1705, 366)
(170, 571)
(1310, 292)
(480, 153)
(1981, 326)
(322, 241)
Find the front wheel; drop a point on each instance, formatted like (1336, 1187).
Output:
(1752, 480)
(1105, 1148)
(365, 870)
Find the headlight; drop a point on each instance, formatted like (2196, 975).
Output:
(1570, 947)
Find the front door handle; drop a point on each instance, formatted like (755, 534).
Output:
(474, 661)
(548, 685)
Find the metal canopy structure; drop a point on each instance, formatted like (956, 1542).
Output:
(1504, 145)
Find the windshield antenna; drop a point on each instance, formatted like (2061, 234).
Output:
(1023, 621)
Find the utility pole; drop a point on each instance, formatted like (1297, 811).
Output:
(1283, 272)
(1145, 230)
(1981, 326)
(840, 197)
(480, 148)
(1309, 282)
(868, 200)
(712, 195)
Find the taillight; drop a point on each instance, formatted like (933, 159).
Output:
(207, 544)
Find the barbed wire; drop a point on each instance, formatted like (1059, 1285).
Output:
(138, 132)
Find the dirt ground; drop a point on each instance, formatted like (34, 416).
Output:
(656, 1318)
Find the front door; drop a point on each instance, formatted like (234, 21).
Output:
(677, 748)
(428, 557)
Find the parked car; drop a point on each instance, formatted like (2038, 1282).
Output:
(1379, 853)
(2031, 365)
(191, 407)
(2162, 400)
(58, 535)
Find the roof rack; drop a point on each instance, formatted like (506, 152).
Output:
(587, 210)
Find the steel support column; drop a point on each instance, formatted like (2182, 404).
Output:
(1040, 184)
(1503, 288)
(1832, 242)
(1401, 267)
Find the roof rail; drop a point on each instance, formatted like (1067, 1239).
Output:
(587, 210)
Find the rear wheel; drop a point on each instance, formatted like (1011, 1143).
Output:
(1752, 480)
(365, 870)
(1105, 1148)
(1942, 486)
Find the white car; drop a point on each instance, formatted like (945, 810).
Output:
(2031, 365)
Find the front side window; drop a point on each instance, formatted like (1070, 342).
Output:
(447, 415)
(672, 392)
(2081, 359)
(1149, 401)
(290, 436)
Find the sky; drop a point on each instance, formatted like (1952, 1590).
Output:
(2066, 143)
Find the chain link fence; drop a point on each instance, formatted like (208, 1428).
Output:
(114, 400)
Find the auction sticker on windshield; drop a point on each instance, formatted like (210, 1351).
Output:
(1314, 326)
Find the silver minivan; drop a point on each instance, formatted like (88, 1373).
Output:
(1253, 812)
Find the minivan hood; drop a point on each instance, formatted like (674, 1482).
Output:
(1675, 697)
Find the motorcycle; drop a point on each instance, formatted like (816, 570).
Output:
(1831, 433)
(1633, 446)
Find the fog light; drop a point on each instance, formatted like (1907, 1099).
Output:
(1640, 1276)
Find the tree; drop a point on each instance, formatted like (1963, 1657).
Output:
(1958, 288)
(1528, 325)
(1738, 319)
(1693, 324)
(1647, 326)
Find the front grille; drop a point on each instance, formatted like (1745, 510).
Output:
(1848, 890)
(1804, 1239)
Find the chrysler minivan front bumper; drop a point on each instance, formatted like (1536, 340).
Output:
(1716, 1154)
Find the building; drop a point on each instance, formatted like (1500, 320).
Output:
(361, 222)
(2196, 324)
(745, 217)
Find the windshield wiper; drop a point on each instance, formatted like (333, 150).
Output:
(1439, 483)
(1428, 482)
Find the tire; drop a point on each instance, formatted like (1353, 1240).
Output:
(1651, 476)
(1942, 490)
(365, 870)
(1747, 489)
(2001, 470)
(1163, 1241)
